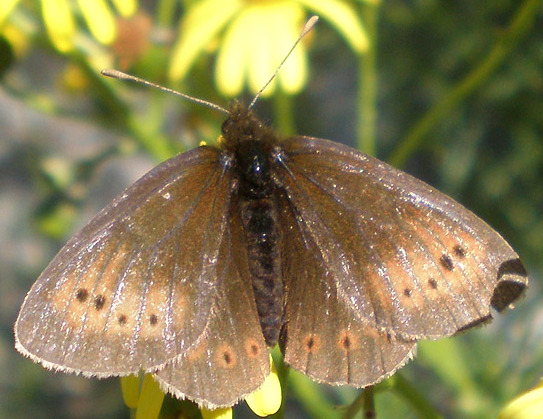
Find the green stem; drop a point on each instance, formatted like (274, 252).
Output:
(410, 394)
(355, 406)
(165, 12)
(367, 92)
(282, 109)
(365, 401)
(369, 402)
(282, 373)
(523, 20)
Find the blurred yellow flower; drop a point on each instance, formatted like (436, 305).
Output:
(60, 22)
(148, 401)
(264, 402)
(256, 35)
(267, 399)
(6, 6)
(130, 387)
(526, 406)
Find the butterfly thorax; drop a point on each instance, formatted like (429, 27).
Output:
(251, 144)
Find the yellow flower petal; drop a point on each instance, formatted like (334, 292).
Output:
(18, 39)
(260, 33)
(343, 18)
(527, 406)
(126, 8)
(201, 23)
(151, 398)
(99, 19)
(231, 65)
(267, 399)
(254, 46)
(130, 387)
(225, 413)
(6, 6)
(293, 75)
(59, 23)
(202, 10)
(276, 27)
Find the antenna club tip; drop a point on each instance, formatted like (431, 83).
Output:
(108, 72)
(312, 20)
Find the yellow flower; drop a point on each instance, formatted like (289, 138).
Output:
(255, 36)
(59, 20)
(148, 402)
(6, 7)
(526, 406)
(267, 399)
(264, 402)
(130, 386)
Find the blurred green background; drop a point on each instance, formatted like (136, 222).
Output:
(448, 90)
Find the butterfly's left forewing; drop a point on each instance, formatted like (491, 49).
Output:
(134, 288)
(403, 258)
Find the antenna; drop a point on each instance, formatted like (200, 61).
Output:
(307, 27)
(116, 74)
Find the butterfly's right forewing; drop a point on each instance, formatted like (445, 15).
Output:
(134, 288)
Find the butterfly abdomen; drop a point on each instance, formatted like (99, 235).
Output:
(259, 217)
(260, 223)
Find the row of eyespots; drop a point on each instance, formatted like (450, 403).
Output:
(447, 262)
(99, 301)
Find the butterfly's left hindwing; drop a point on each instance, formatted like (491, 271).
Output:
(233, 359)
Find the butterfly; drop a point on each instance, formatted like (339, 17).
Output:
(221, 252)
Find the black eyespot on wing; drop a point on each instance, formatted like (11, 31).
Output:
(446, 262)
(512, 267)
(82, 295)
(459, 251)
(512, 281)
(99, 302)
(122, 319)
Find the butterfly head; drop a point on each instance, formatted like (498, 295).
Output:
(250, 142)
(243, 126)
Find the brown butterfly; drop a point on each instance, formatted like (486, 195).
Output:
(221, 252)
